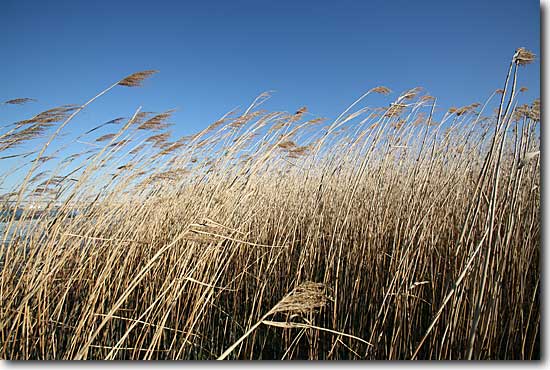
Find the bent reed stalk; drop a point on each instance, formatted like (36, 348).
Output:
(389, 233)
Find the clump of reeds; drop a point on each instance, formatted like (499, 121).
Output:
(394, 232)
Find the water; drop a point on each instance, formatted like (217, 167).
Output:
(20, 229)
(23, 224)
(5, 215)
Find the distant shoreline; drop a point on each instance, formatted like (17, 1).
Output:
(6, 215)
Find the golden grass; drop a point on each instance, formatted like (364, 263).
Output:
(385, 234)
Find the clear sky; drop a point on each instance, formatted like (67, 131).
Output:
(216, 55)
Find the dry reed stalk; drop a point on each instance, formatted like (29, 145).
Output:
(306, 297)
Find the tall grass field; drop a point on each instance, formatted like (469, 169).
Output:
(392, 232)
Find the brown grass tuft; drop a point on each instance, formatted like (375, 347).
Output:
(136, 79)
(19, 101)
(381, 90)
(523, 57)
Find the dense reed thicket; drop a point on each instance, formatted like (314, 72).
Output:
(398, 232)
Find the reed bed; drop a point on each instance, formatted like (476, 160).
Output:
(397, 232)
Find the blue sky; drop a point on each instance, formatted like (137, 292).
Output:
(216, 55)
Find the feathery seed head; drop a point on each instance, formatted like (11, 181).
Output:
(381, 90)
(135, 79)
(410, 94)
(289, 144)
(534, 112)
(105, 137)
(306, 297)
(426, 98)
(395, 109)
(302, 110)
(523, 57)
(19, 101)
(157, 122)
